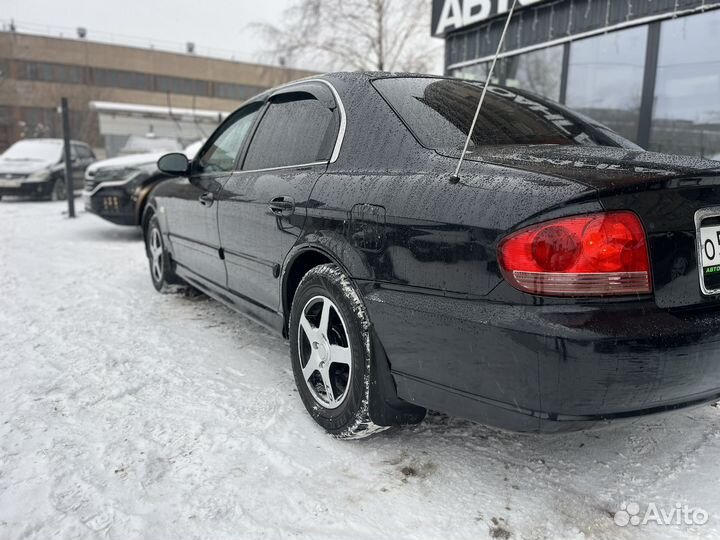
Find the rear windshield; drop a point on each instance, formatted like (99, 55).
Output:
(439, 112)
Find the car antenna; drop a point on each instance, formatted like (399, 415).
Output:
(455, 178)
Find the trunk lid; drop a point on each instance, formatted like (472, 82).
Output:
(665, 191)
(599, 167)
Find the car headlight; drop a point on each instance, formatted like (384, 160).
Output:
(126, 178)
(132, 179)
(38, 176)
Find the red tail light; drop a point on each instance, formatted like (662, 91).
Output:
(593, 255)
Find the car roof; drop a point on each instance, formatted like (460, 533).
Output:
(368, 76)
(350, 76)
(51, 139)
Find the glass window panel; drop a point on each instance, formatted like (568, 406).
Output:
(27, 71)
(479, 72)
(292, 132)
(46, 72)
(686, 111)
(100, 77)
(121, 79)
(226, 90)
(181, 86)
(163, 84)
(68, 74)
(220, 156)
(74, 74)
(234, 91)
(538, 71)
(39, 122)
(605, 77)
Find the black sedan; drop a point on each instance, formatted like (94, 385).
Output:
(35, 168)
(566, 277)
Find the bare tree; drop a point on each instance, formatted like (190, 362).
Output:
(385, 35)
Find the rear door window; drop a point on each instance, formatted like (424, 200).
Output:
(296, 130)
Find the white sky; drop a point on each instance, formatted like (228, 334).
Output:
(217, 27)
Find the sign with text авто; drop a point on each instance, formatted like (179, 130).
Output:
(448, 15)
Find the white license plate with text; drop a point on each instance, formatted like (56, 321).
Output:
(710, 249)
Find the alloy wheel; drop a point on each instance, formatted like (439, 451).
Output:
(324, 349)
(156, 254)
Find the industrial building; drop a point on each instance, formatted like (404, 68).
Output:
(119, 93)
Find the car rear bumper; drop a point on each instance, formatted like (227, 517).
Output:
(546, 368)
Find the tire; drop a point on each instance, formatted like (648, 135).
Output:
(161, 272)
(330, 331)
(58, 192)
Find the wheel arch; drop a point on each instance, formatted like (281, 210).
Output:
(143, 199)
(385, 408)
(301, 260)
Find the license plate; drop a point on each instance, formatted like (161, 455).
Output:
(709, 248)
(10, 183)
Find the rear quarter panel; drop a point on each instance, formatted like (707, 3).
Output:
(418, 229)
(422, 248)
(414, 241)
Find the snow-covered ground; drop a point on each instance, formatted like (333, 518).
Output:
(126, 414)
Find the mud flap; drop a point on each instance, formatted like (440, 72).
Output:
(386, 408)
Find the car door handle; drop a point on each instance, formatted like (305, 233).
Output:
(282, 206)
(207, 199)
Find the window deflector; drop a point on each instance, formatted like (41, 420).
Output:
(319, 92)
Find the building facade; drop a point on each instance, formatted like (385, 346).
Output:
(137, 92)
(649, 69)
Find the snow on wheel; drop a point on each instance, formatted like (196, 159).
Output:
(331, 353)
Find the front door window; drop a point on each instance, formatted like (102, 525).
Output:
(220, 156)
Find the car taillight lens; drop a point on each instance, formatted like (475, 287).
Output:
(592, 255)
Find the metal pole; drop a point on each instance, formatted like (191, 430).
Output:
(69, 184)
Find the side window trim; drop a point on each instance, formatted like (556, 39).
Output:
(242, 155)
(280, 167)
(240, 159)
(340, 109)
